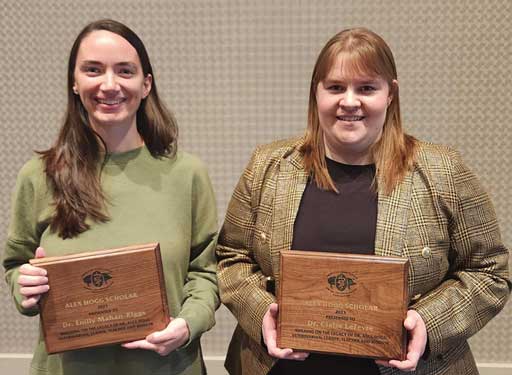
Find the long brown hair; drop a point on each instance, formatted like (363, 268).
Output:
(73, 164)
(394, 152)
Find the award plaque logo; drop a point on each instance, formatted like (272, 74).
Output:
(341, 283)
(97, 279)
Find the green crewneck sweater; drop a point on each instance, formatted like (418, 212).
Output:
(165, 200)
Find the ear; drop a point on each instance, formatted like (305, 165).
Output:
(392, 91)
(75, 88)
(148, 81)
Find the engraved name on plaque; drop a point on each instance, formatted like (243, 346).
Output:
(343, 304)
(103, 297)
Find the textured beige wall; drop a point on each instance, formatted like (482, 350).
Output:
(236, 73)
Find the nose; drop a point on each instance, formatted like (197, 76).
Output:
(350, 100)
(109, 82)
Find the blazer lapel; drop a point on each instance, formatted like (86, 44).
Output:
(290, 185)
(392, 211)
(392, 215)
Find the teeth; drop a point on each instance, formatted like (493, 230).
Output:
(110, 101)
(350, 118)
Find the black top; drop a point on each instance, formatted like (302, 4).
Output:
(345, 223)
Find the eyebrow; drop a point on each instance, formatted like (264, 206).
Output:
(363, 81)
(122, 63)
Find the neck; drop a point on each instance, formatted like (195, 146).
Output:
(349, 157)
(119, 138)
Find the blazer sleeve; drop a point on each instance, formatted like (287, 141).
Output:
(477, 284)
(241, 280)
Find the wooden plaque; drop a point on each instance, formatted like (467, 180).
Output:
(343, 304)
(102, 297)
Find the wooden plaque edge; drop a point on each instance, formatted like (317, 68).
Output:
(155, 246)
(163, 289)
(93, 254)
(404, 262)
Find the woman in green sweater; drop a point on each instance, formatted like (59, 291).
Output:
(114, 178)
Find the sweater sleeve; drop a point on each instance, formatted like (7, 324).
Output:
(200, 289)
(25, 228)
(477, 285)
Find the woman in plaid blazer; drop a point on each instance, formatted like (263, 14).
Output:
(429, 208)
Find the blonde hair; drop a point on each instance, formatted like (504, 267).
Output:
(368, 54)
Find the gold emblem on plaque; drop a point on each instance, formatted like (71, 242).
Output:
(342, 283)
(97, 279)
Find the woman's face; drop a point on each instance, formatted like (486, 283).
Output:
(352, 110)
(109, 79)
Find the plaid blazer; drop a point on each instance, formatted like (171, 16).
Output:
(439, 217)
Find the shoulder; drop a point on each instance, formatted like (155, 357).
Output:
(31, 174)
(183, 163)
(431, 153)
(276, 151)
(189, 161)
(444, 167)
(279, 148)
(32, 168)
(438, 159)
(190, 167)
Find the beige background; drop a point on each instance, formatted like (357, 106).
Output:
(236, 74)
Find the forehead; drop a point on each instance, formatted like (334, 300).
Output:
(349, 67)
(106, 47)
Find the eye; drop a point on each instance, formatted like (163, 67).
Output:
(368, 89)
(90, 69)
(335, 88)
(126, 72)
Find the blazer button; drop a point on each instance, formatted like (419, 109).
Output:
(426, 252)
(263, 236)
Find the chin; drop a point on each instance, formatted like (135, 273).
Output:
(110, 120)
(350, 139)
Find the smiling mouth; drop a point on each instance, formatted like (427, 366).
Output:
(110, 101)
(350, 118)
